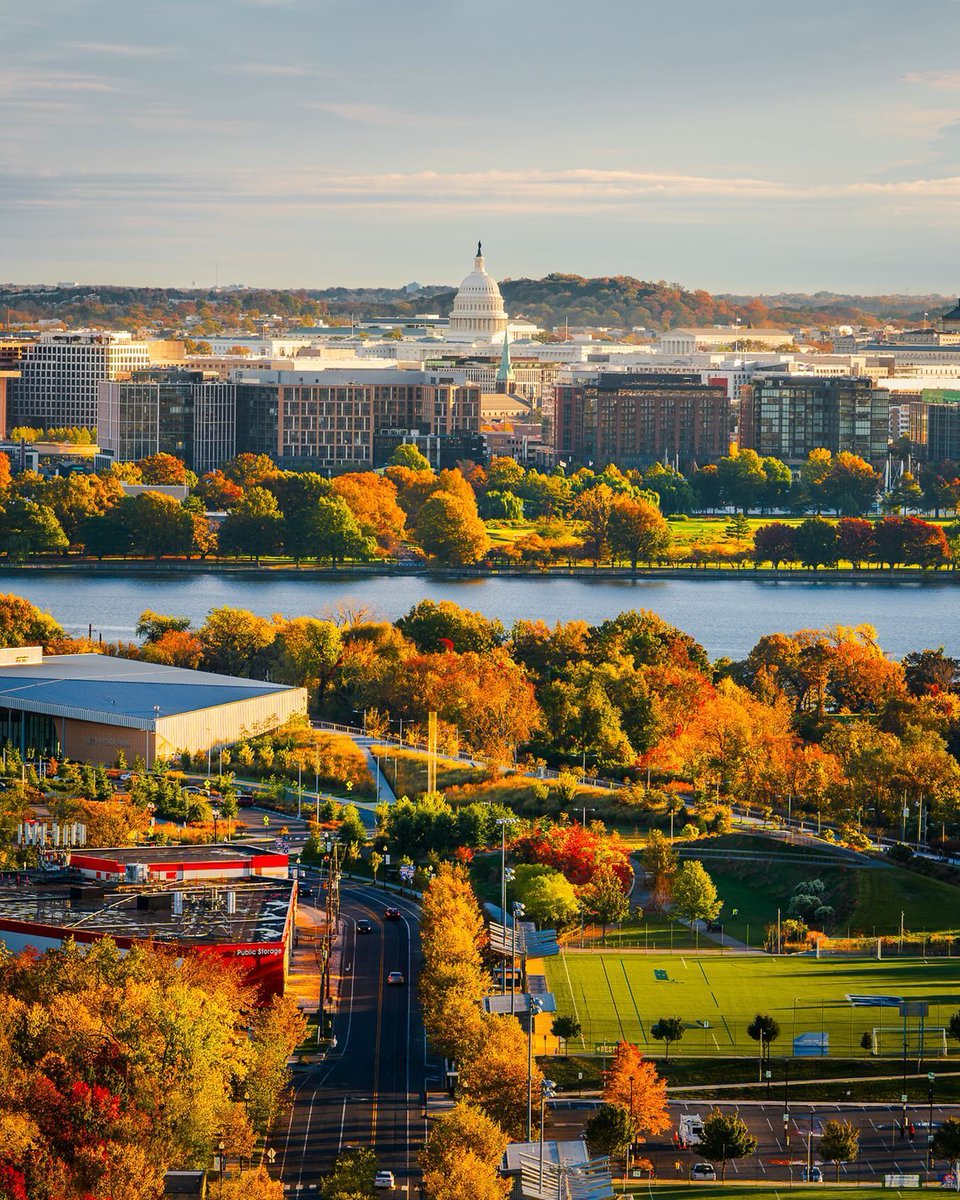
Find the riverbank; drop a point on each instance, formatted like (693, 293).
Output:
(948, 576)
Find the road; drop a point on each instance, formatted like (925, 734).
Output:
(883, 1150)
(368, 1089)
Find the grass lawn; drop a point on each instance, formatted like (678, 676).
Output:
(406, 771)
(867, 900)
(620, 996)
(503, 534)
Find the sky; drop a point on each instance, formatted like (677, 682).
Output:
(753, 145)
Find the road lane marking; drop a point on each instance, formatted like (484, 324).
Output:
(376, 1053)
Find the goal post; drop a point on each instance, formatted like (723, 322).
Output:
(889, 1041)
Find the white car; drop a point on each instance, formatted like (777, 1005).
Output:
(702, 1171)
(385, 1180)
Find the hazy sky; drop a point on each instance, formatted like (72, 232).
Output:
(738, 146)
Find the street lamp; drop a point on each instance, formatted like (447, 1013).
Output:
(930, 1078)
(518, 911)
(547, 1091)
(536, 1006)
(215, 813)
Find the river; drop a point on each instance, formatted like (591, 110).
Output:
(726, 616)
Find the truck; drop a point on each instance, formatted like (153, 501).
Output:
(689, 1129)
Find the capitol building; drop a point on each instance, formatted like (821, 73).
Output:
(478, 314)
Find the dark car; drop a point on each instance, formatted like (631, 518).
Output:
(246, 800)
(307, 892)
(396, 979)
(364, 926)
(391, 914)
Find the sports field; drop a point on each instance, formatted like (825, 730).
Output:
(621, 996)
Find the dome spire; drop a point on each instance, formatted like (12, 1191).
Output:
(478, 261)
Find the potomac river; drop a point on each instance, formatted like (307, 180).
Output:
(726, 616)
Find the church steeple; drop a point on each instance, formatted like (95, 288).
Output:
(505, 377)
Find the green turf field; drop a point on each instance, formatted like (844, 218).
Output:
(621, 996)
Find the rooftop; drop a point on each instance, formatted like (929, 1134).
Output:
(119, 691)
(147, 912)
(169, 855)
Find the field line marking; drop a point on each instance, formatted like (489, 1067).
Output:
(573, 999)
(612, 998)
(633, 999)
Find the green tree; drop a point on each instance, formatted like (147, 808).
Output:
(431, 623)
(604, 899)
(407, 455)
(839, 1143)
(27, 528)
(816, 542)
(609, 1130)
(547, 895)
(151, 626)
(765, 1030)
(725, 1138)
(235, 641)
(695, 894)
(667, 1030)
(946, 1144)
(352, 1176)
(565, 1028)
(253, 526)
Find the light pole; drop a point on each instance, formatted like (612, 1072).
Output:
(585, 809)
(930, 1078)
(518, 911)
(547, 1089)
(215, 813)
(536, 1006)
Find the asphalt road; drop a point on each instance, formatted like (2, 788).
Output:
(368, 1090)
(882, 1150)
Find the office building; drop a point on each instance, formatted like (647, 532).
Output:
(634, 420)
(60, 374)
(786, 417)
(331, 419)
(169, 412)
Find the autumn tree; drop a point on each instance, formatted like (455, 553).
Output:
(407, 455)
(162, 469)
(604, 899)
(775, 543)
(234, 641)
(22, 624)
(637, 530)
(495, 1076)
(634, 1083)
(593, 509)
(372, 499)
(449, 529)
(463, 1156)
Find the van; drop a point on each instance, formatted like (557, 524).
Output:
(690, 1129)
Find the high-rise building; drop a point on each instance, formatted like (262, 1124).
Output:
(328, 419)
(170, 412)
(60, 373)
(634, 420)
(786, 417)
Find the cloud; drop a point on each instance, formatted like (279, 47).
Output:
(363, 114)
(22, 84)
(578, 190)
(945, 80)
(121, 49)
(264, 68)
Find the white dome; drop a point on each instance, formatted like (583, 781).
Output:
(478, 308)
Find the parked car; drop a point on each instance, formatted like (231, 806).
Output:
(364, 926)
(812, 1175)
(385, 1180)
(246, 800)
(391, 914)
(396, 979)
(702, 1171)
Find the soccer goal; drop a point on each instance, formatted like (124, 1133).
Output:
(928, 1041)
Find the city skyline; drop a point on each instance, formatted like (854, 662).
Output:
(293, 144)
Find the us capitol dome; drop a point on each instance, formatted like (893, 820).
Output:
(478, 313)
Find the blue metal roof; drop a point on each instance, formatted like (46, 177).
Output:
(122, 691)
